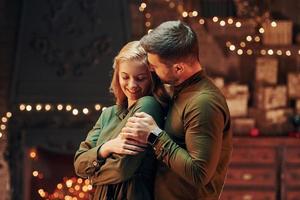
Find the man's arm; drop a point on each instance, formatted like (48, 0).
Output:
(203, 124)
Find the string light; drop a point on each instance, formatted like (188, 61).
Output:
(273, 24)
(279, 52)
(28, 107)
(97, 107)
(201, 21)
(38, 107)
(195, 13)
(261, 30)
(184, 14)
(249, 38)
(68, 107)
(288, 53)
(263, 52)
(222, 23)
(32, 154)
(4, 119)
(1, 135)
(230, 21)
(85, 111)
(22, 107)
(238, 24)
(240, 51)
(242, 44)
(47, 107)
(60, 107)
(3, 127)
(232, 47)
(270, 52)
(249, 51)
(215, 19)
(8, 114)
(257, 39)
(75, 111)
(35, 173)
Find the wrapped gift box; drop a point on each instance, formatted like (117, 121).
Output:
(294, 85)
(281, 34)
(270, 97)
(275, 121)
(237, 99)
(242, 126)
(266, 70)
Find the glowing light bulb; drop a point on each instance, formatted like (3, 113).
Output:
(85, 111)
(222, 23)
(215, 19)
(201, 21)
(22, 107)
(238, 24)
(38, 107)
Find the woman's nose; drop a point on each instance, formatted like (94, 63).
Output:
(132, 84)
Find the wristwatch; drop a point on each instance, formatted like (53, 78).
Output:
(154, 134)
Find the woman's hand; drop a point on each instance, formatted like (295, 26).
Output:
(121, 145)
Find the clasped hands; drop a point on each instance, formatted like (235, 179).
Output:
(133, 137)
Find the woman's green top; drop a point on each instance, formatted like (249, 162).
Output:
(118, 176)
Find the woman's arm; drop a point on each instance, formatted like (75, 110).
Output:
(118, 168)
(86, 160)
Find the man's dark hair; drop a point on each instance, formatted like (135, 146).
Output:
(172, 41)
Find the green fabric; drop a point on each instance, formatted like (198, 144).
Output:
(118, 176)
(196, 145)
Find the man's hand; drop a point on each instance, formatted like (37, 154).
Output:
(121, 145)
(139, 127)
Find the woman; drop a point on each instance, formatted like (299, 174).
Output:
(120, 170)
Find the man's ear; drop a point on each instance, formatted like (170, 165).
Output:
(179, 67)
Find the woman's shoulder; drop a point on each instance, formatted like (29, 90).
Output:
(147, 100)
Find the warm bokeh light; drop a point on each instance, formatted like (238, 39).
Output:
(4, 119)
(32, 154)
(270, 52)
(75, 111)
(97, 107)
(68, 107)
(2, 127)
(232, 47)
(85, 111)
(273, 24)
(59, 186)
(261, 30)
(35, 173)
(28, 107)
(222, 23)
(47, 107)
(238, 24)
(201, 21)
(22, 107)
(8, 114)
(215, 19)
(230, 21)
(38, 107)
(184, 14)
(60, 107)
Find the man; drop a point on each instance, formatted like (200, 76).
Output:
(195, 146)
